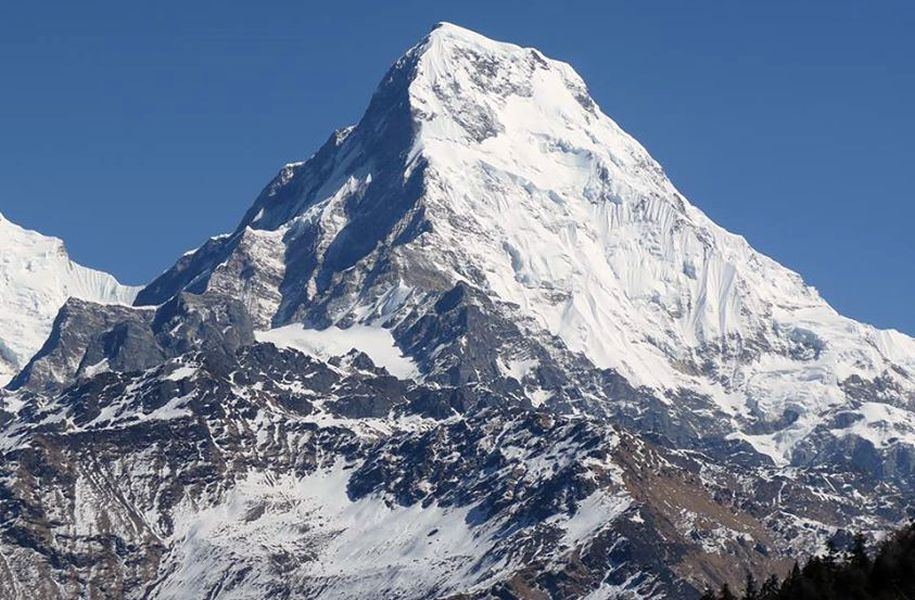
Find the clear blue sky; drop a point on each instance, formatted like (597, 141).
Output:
(136, 130)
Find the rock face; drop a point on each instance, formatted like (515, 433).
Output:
(270, 474)
(36, 278)
(600, 392)
(87, 338)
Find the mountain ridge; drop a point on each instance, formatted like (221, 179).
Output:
(599, 392)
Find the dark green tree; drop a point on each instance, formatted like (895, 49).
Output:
(770, 588)
(750, 589)
(886, 573)
(726, 593)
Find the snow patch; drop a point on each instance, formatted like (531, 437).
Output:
(376, 342)
(359, 548)
(880, 424)
(182, 372)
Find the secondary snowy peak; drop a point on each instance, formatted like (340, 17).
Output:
(36, 278)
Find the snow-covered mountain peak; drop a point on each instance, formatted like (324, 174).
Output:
(457, 64)
(36, 278)
(487, 166)
(486, 62)
(499, 98)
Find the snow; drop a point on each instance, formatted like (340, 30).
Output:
(594, 513)
(881, 425)
(36, 278)
(376, 342)
(572, 220)
(771, 445)
(93, 370)
(365, 548)
(182, 372)
(519, 368)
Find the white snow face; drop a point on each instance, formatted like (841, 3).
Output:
(36, 278)
(572, 220)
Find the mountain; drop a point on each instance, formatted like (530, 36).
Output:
(485, 171)
(36, 278)
(476, 346)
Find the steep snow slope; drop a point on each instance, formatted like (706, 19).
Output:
(572, 220)
(36, 278)
(486, 165)
(556, 198)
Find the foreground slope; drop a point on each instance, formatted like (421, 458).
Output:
(36, 278)
(274, 475)
(598, 391)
